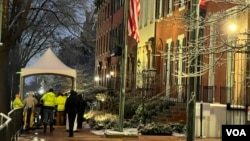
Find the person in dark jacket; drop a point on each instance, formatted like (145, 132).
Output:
(72, 106)
(80, 113)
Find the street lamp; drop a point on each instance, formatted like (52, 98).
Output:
(108, 81)
(232, 27)
(148, 79)
(112, 81)
(41, 90)
(97, 79)
(112, 73)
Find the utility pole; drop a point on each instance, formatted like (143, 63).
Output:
(192, 90)
(123, 67)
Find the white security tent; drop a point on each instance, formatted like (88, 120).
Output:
(48, 64)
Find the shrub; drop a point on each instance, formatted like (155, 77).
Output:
(152, 108)
(99, 120)
(178, 127)
(131, 105)
(162, 129)
(155, 129)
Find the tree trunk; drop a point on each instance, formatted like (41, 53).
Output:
(14, 67)
(4, 95)
(4, 56)
(10, 36)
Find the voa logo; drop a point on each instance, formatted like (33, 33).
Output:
(236, 132)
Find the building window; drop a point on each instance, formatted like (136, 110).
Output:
(170, 4)
(167, 7)
(151, 6)
(158, 9)
(141, 16)
(181, 4)
(145, 12)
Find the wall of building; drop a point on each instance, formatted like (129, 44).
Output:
(214, 116)
(147, 32)
(214, 82)
(168, 33)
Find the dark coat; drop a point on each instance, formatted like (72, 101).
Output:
(83, 104)
(72, 104)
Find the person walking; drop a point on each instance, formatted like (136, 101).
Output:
(29, 109)
(17, 103)
(49, 103)
(60, 100)
(72, 106)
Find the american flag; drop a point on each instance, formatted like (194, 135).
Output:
(202, 3)
(133, 17)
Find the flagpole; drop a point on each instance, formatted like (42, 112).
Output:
(123, 67)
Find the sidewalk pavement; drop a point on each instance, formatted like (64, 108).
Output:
(84, 134)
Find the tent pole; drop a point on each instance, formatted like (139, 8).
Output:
(74, 83)
(21, 87)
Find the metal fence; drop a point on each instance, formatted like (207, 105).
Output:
(11, 124)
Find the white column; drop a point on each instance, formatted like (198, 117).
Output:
(180, 65)
(168, 67)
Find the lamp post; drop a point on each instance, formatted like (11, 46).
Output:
(148, 79)
(230, 62)
(193, 69)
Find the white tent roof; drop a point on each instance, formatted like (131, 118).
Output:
(48, 64)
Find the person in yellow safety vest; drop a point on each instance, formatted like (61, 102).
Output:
(60, 100)
(29, 109)
(49, 104)
(17, 103)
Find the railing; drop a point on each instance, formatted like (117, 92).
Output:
(4, 127)
(10, 125)
(177, 94)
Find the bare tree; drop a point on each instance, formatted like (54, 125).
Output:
(78, 53)
(30, 26)
(209, 44)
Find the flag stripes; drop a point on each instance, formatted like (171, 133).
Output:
(133, 17)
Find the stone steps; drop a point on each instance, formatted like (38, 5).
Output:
(175, 113)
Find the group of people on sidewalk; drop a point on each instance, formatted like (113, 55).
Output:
(28, 104)
(70, 107)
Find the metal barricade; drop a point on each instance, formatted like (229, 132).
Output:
(16, 124)
(4, 127)
(11, 124)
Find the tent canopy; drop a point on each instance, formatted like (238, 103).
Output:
(48, 64)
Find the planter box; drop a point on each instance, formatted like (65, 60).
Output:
(160, 138)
